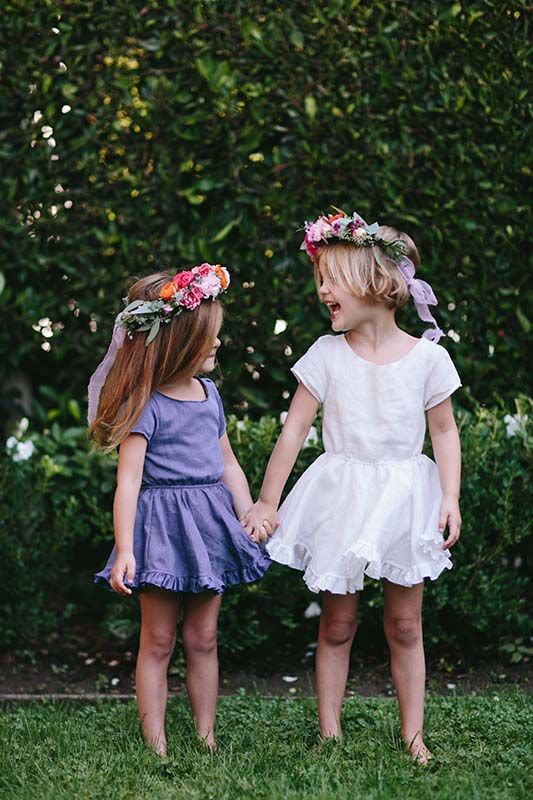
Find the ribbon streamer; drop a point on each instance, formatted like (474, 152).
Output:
(101, 372)
(423, 297)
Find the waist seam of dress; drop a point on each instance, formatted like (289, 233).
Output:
(372, 463)
(186, 484)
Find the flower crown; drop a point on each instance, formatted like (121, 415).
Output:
(348, 229)
(354, 230)
(185, 290)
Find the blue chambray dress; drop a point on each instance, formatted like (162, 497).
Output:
(187, 537)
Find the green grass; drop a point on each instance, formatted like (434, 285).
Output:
(268, 750)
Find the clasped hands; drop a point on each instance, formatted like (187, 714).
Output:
(260, 521)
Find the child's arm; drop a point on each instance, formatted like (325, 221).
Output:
(301, 414)
(129, 476)
(447, 451)
(234, 478)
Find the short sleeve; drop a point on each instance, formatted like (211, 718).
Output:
(147, 422)
(310, 370)
(442, 380)
(221, 414)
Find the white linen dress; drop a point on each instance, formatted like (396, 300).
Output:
(369, 505)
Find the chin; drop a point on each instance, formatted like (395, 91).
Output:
(209, 365)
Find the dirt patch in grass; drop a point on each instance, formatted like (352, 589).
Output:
(84, 664)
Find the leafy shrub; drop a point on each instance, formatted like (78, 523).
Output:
(53, 503)
(212, 130)
(55, 524)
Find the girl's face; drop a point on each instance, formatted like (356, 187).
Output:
(209, 364)
(346, 310)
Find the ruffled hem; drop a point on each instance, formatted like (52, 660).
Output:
(193, 584)
(361, 560)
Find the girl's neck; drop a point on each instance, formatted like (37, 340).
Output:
(380, 340)
(183, 388)
(375, 332)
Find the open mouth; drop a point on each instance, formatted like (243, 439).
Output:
(333, 309)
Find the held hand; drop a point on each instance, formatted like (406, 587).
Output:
(450, 516)
(260, 521)
(124, 566)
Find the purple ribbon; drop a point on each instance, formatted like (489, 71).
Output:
(423, 296)
(101, 372)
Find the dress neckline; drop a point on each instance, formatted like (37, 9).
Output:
(373, 363)
(177, 399)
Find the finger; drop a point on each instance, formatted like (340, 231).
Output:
(443, 519)
(130, 572)
(267, 526)
(450, 541)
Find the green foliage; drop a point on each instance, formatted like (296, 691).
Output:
(189, 131)
(56, 535)
(52, 503)
(268, 750)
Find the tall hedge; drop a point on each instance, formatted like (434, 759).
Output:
(135, 134)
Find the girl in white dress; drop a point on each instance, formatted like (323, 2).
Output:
(372, 504)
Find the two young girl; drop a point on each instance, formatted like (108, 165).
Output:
(372, 504)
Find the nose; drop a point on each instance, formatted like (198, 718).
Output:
(324, 289)
(217, 343)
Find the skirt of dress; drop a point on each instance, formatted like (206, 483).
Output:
(188, 539)
(345, 519)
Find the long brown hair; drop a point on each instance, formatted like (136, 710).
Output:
(177, 351)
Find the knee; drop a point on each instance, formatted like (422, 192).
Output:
(337, 631)
(159, 643)
(403, 631)
(200, 640)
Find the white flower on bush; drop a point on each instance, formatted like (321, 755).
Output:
(312, 437)
(515, 423)
(20, 451)
(312, 610)
(22, 427)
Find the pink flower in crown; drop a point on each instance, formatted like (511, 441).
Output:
(183, 279)
(310, 248)
(318, 230)
(358, 232)
(192, 297)
(167, 309)
(211, 285)
(204, 270)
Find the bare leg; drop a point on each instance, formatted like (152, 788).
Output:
(403, 629)
(335, 636)
(159, 617)
(200, 620)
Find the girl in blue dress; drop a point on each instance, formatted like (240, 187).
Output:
(179, 489)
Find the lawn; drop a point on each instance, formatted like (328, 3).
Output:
(268, 750)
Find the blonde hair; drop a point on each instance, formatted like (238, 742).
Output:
(178, 350)
(368, 272)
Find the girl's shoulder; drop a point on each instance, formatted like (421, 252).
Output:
(435, 353)
(326, 344)
(209, 385)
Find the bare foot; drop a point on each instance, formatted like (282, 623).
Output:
(418, 751)
(209, 742)
(330, 737)
(158, 747)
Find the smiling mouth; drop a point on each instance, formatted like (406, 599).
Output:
(333, 309)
